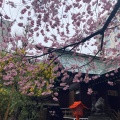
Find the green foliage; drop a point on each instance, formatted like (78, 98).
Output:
(27, 80)
(21, 107)
(4, 99)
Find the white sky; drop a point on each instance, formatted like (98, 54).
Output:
(14, 13)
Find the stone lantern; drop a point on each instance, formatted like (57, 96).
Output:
(77, 109)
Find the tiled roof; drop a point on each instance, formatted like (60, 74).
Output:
(68, 60)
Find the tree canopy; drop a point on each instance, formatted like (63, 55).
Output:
(72, 25)
(64, 25)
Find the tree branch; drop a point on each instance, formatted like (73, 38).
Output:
(100, 31)
(95, 54)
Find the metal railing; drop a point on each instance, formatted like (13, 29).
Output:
(111, 112)
(73, 118)
(83, 118)
(68, 114)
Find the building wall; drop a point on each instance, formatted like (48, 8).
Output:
(4, 27)
(112, 42)
(111, 39)
(71, 97)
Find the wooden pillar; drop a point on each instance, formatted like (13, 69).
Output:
(71, 97)
(119, 95)
(84, 97)
(107, 105)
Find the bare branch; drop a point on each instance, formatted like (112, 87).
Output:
(100, 31)
(95, 54)
(113, 26)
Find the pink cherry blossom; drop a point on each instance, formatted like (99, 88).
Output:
(55, 99)
(90, 91)
(56, 93)
(110, 83)
(67, 26)
(31, 94)
(62, 84)
(20, 24)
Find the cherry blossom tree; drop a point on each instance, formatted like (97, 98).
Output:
(70, 24)
(21, 77)
(75, 23)
(86, 19)
(63, 25)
